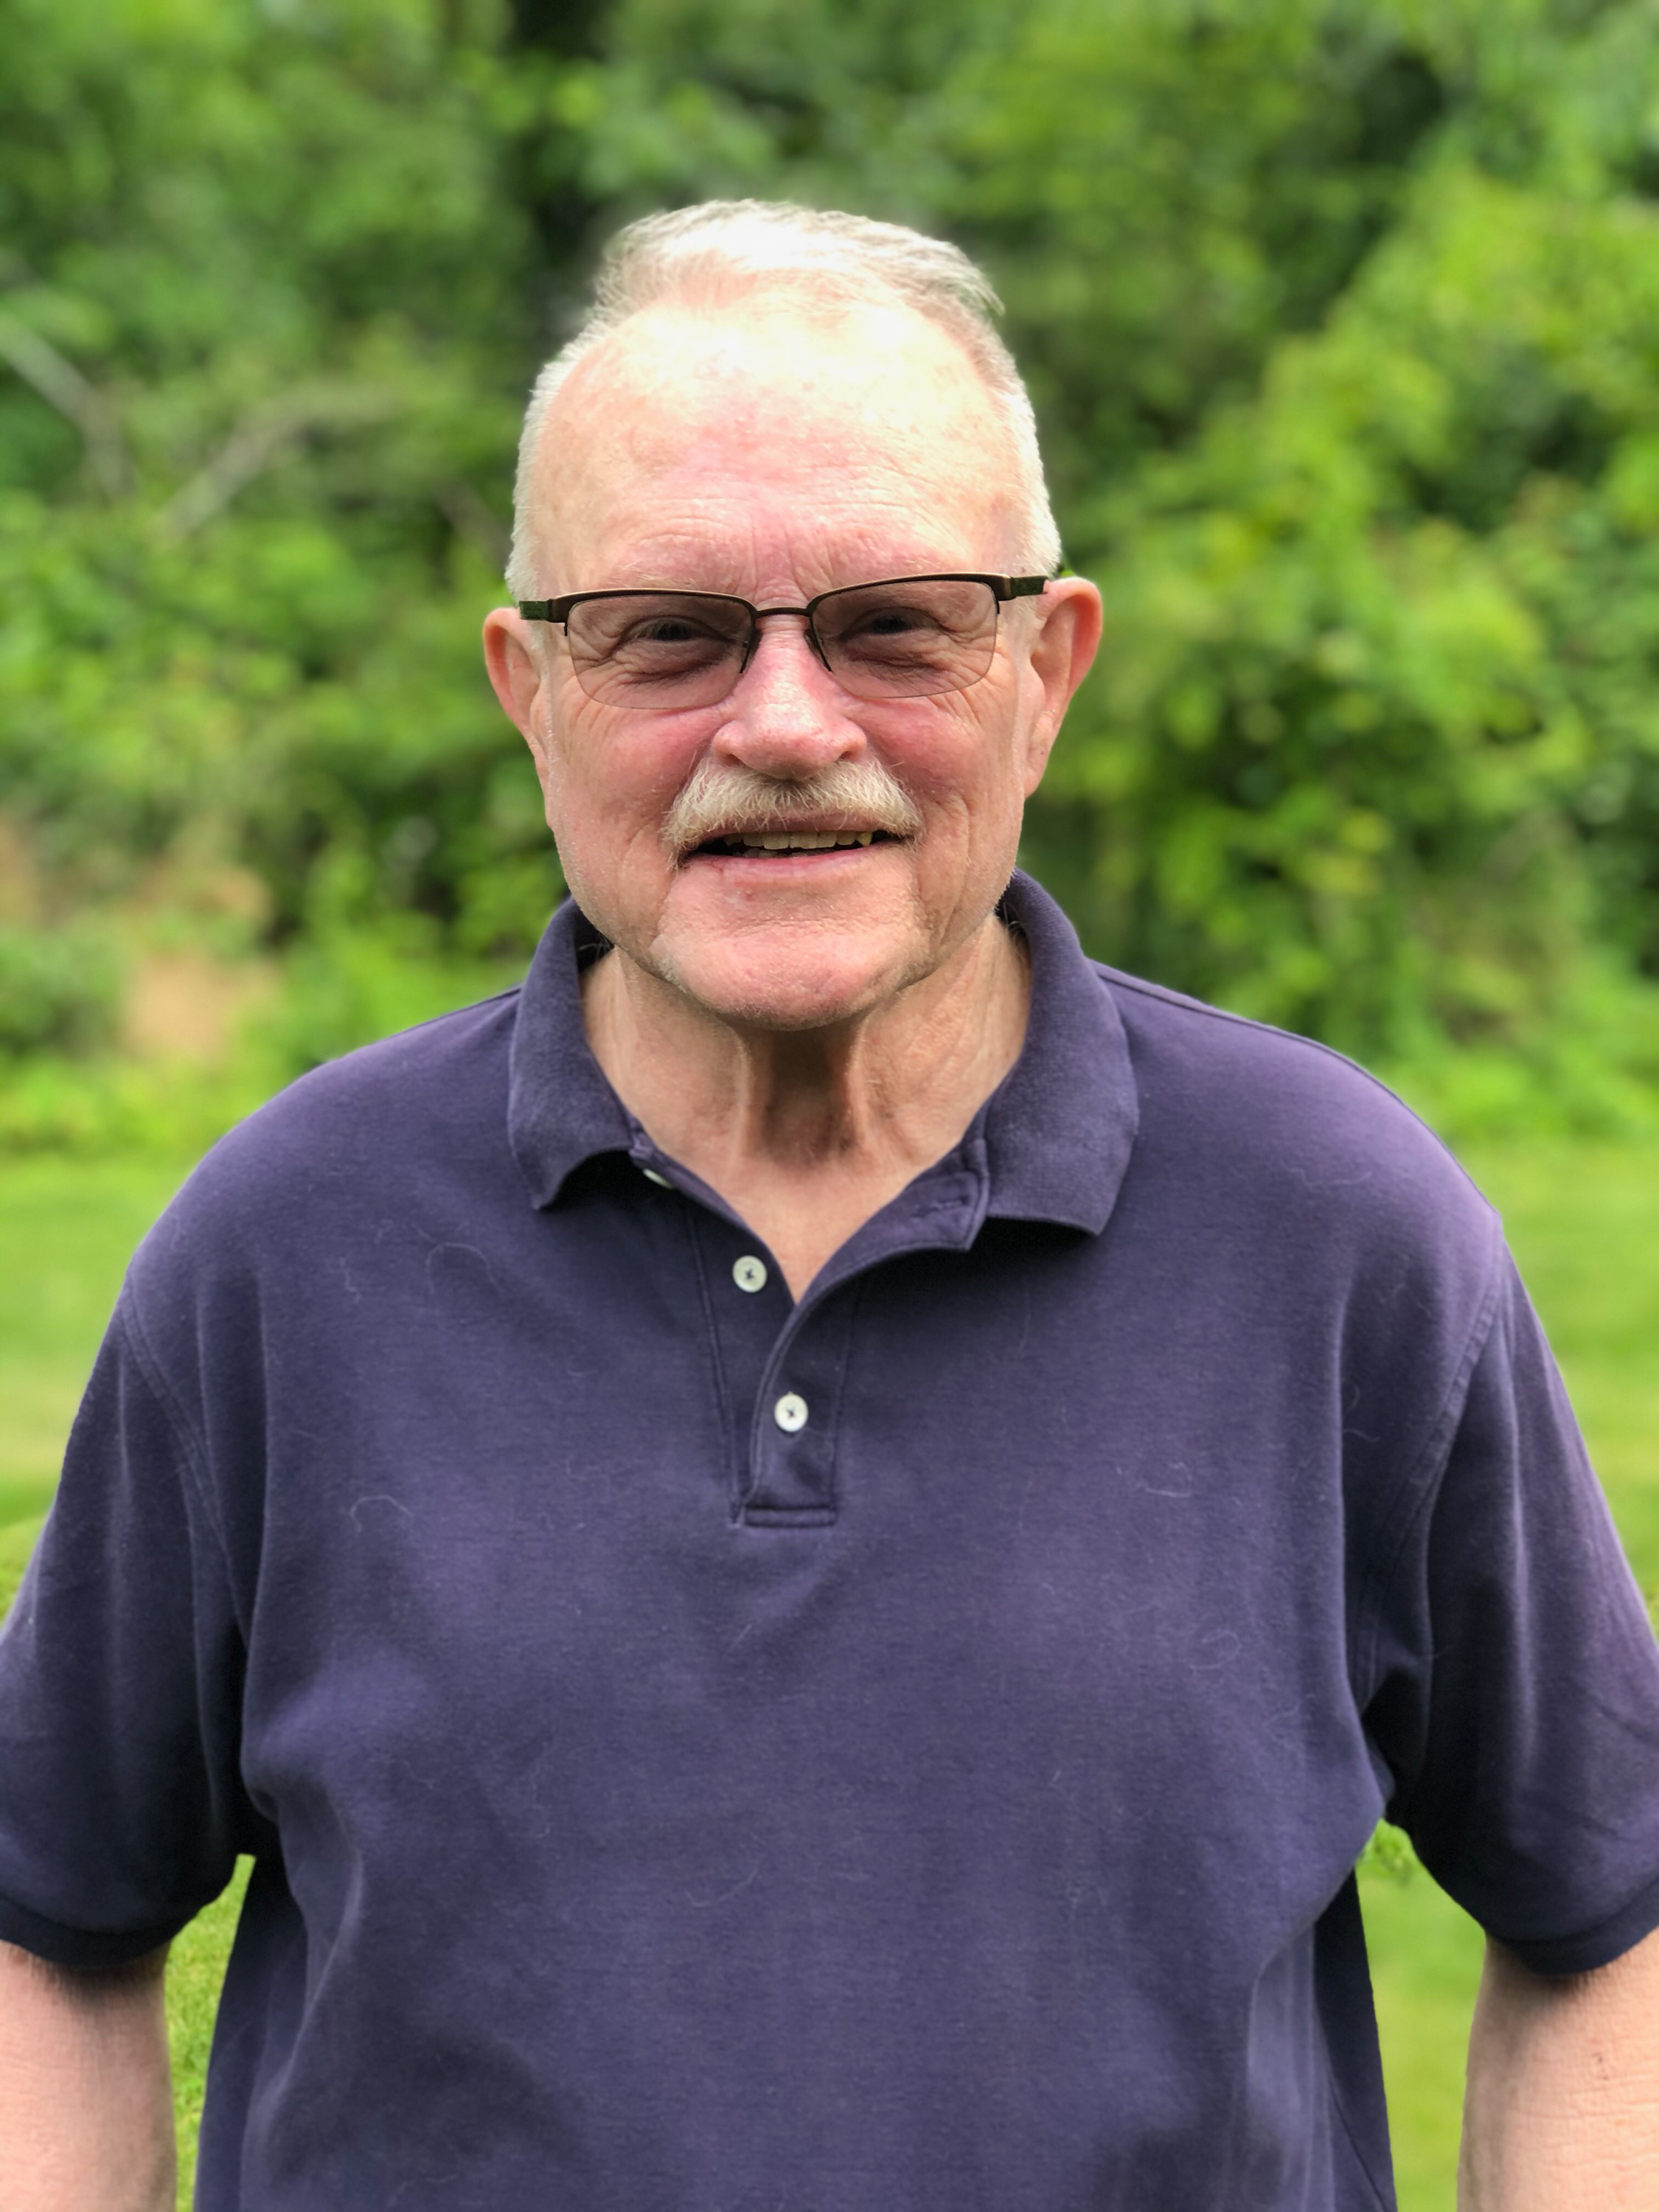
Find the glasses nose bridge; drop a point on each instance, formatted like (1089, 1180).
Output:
(805, 614)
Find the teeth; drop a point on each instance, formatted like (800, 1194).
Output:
(801, 840)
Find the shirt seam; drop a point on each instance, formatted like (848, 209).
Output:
(723, 1401)
(130, 1321)
(151, 1937)
(843, 1366)
(1642, 1906)
(1420, 1487)
(1339, 2104)
(1114, 979)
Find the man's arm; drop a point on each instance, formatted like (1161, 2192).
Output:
(1561, 2112)
(86, 2103)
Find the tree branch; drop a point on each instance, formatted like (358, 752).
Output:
(264, 439)
(62, 385)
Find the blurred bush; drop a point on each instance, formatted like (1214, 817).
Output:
(60, 990)
(1342, 316)
(344, 990)
(332, 995)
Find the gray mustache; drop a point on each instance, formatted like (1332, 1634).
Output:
(720, 801)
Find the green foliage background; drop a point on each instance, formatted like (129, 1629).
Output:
(1342, 320)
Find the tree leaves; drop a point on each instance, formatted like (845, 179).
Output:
(1342, 320)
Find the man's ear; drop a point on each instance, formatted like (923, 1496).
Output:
(1060, 656)
(514, 656)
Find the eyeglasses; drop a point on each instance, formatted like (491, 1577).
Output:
(910, 638)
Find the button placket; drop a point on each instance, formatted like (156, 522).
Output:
(781, 1367)
(745, 1305)
(794, 1434)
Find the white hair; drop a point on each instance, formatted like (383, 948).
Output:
(708, 254)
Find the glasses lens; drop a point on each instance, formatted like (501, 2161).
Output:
(904, 641)
(658, 650)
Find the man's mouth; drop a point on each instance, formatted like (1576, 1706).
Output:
(763, 843)
(725, 811)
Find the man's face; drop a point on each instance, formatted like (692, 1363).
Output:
(773, 455)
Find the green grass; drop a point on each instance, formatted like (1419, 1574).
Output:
(196, 1966)
(1584, 1219)
(1583, 1223)
(66, 1229)
(1426, 1963)
(16, 1542)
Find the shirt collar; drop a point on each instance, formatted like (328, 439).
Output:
(1060, 1127)
(560, 1110)
(1053, 1138)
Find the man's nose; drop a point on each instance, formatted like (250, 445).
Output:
(787, 716)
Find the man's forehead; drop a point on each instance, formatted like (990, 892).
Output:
(873, 417)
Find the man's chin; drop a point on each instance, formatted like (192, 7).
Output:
(796, 988)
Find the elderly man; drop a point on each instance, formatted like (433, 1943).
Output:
(805, 1553)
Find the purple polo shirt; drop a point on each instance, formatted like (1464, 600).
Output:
(903, 1751)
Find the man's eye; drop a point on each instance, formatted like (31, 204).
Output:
(668, 642)
(894, 620)
(891, 634)
(666, 630)
(891, 621)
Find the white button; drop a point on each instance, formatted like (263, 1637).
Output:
(790, 1412)
(749, 1273)
(651, 1175)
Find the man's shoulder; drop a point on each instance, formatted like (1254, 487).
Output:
(442, 1081)
(1289, 1119)
(367, 1128)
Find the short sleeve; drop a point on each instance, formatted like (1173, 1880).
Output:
(120, 1670)
(1518, 1701)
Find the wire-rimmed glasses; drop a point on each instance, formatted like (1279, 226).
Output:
(909, 637)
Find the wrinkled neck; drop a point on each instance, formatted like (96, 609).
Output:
(825, 1122)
